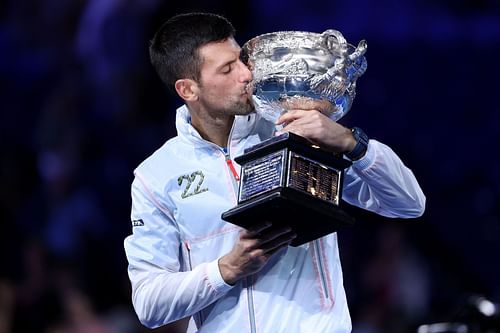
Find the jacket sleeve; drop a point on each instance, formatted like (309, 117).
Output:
(161, 292)
(381, 183)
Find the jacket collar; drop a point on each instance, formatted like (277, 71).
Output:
(243, 125)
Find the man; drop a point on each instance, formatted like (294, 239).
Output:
(183, 259)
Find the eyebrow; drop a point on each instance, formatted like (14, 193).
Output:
(218, 68)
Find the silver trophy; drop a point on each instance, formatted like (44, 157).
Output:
(287, 179)
(290, 66)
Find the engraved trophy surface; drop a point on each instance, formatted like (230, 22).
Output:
(286, 179)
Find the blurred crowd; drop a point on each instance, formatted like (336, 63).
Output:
(81, 107)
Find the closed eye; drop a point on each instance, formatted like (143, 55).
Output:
(227, 69)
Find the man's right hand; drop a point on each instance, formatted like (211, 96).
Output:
(252, 251)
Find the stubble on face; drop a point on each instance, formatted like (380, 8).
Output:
(229, 105)
(245, 107)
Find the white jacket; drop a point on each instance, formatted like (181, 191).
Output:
(178, 195)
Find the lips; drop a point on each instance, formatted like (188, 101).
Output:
(249, 88)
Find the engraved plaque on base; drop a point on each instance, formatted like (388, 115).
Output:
(290, 182)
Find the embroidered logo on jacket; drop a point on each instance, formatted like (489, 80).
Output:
(192, 184)
(137, 223)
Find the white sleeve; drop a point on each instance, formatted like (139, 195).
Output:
(381, 183)
(161, 293)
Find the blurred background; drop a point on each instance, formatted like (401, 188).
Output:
(81, 107)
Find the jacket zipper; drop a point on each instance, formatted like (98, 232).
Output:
(236, 178)
(197, 315)
(233, 174)
(227, 155)
(321, 268)
(248, 279)
(251, 310)
(230, 164)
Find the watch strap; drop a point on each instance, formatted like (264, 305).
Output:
(361, 144)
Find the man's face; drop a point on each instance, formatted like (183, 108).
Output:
(224, 80)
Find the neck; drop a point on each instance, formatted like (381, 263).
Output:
(213, 129)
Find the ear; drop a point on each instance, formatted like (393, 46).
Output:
(187, 89)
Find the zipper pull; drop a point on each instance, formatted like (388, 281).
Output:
(232, 168)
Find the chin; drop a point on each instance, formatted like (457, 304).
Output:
(243, 109)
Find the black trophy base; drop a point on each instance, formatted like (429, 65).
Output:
(308, 217)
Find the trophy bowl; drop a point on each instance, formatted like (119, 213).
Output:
(291, 67)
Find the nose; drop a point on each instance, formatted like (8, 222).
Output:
(246, 74)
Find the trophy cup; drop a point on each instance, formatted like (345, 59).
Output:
(286, 179)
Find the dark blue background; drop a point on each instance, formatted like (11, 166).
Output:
(81, 107)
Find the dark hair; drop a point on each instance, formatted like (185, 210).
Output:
(174, 48)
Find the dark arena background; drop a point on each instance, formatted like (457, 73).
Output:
(81, 107)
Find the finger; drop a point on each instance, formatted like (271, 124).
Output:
(264, 236)
(272, 252)
(301, 118)
(259, 257)
(275, 234)
(288, 116)
(299, 113)
(295, 129)
(279, 242)
(277, 231)
(261, 254)
(256, 229)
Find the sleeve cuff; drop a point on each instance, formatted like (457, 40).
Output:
(367, 160)
(215, 278)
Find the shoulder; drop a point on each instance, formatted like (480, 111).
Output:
(166, 151)
(161, 162)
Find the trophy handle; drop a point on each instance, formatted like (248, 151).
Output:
(337, 73)
(359, 52)
(341, 47)
(337, 34)
(357, 61)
